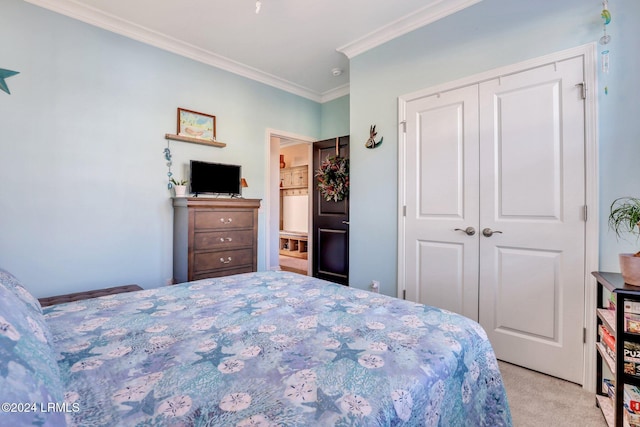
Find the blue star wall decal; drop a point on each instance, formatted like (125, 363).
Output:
(3, 75)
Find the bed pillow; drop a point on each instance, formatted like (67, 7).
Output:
(13, 285)
(30, 381)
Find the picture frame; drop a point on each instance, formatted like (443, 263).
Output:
(192, 124)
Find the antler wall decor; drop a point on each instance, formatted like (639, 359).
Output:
(371, 142)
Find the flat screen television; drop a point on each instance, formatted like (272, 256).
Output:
(214, 178)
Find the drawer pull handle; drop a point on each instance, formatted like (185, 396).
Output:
(225, 262)
(228, 221)
(226, 239)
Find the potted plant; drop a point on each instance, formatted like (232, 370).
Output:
(180, 187)
(624, 218)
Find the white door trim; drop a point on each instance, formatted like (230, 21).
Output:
(588, 53)
(272, 192)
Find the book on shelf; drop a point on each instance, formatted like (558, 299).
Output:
(609, 387)
(608, 339)
(632, 405)
(631, 307)
(632, 358)
(632, 323)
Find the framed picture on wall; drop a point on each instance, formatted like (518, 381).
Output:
(196, 125)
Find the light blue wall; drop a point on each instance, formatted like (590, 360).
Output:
(334, 120)
(488, 35)
(619, 114)
(84, 202)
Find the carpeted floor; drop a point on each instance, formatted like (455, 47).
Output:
(538, 400)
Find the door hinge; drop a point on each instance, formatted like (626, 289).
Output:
(586, 213)
(583, 86)
(404, 210)
(404, 126)
(404, 294)
(584, 335)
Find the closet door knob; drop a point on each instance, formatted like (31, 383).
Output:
(470, 231)
(487, 232)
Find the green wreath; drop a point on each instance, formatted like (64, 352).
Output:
(333, 178)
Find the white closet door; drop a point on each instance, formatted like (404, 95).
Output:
(441, 158)
(532, 191)
(506, 155)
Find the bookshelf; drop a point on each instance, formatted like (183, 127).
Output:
(618, 350)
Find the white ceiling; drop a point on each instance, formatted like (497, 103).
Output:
(291, 44)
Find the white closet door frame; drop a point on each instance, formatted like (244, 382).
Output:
(588, 53)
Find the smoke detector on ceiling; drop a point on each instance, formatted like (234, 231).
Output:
(336, 72)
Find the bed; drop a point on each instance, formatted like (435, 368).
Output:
(255, 349)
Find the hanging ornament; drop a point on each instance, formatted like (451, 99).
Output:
(167, 157)
(606, 15)
(605, 61)
(604, 40)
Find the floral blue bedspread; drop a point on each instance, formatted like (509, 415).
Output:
(273, 349)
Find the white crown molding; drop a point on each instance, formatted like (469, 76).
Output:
(335, 93)
(128, 29)
(436, 10)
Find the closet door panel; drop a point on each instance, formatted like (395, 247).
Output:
(532, 191)
(527, 144)
(441, 142)
(539, 317)
(442, 201)
(441, 263)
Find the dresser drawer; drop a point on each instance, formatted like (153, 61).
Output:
(221, 273)
(222, 239)
(222, 219)
(204, 261)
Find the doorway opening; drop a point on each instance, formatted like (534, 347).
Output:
(288, 231)
(295, 220)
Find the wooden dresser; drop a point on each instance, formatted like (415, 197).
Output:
(214, 237)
